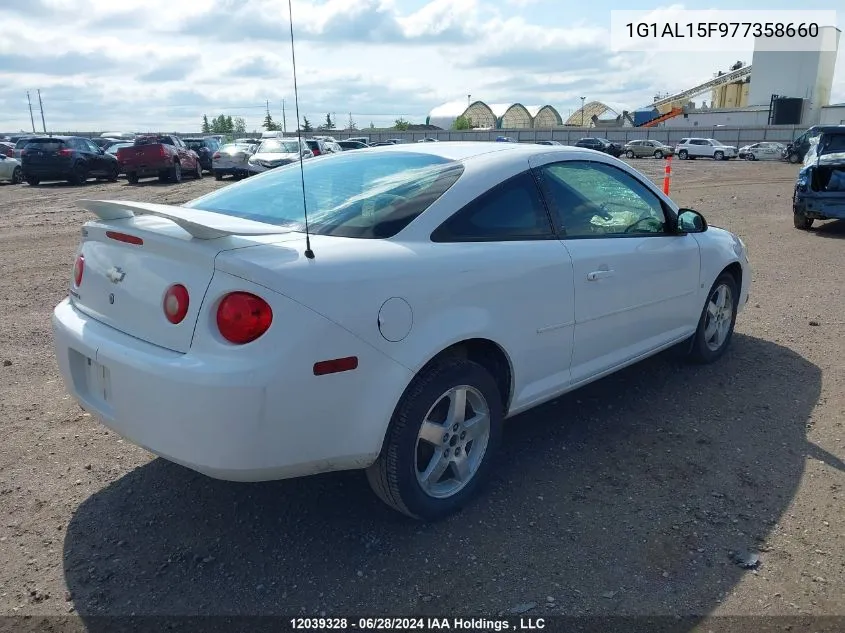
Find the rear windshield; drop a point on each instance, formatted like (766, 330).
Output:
(352, 194)
(44, 144)
(282, 147)
(233, 148)
(154, 140)
(113, 148)
(833, 143)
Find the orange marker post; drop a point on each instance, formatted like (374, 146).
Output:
(667, 175)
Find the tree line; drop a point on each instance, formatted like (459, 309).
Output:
(271, 126)
(223, 124)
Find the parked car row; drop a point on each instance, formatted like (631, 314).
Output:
(246, 157)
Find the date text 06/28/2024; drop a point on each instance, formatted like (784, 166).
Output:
(417, 624)
(714, 30)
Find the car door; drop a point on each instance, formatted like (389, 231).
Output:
(697, 147)
(186, 156)
(635, 279)
(517, 275)
(93, 155)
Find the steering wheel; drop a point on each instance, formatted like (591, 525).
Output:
(638, 222)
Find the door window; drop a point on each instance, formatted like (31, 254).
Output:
(592, 199)
(513, 210)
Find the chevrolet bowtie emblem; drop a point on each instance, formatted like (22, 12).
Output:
(115, 274)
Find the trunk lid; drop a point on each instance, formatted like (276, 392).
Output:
(124, 282)
(142, 155)
(48, 152)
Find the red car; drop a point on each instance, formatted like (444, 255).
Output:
(162, 155)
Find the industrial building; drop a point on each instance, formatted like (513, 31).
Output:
(777, 88)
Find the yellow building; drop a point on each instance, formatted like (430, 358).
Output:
(732, 95)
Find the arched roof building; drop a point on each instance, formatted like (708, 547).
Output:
(602, 111)
(495, 115)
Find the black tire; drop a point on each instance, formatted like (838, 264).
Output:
(750, 156)
(700, 351)
(114, 174)
(132, 177)
(32, 181)
(718, 156)
(794, 158)
(79, 174)
(801, 221)
(176, 172)
(17, 176)
(630, 153)
(658, 154)
(218, 175)
(393, 477)
(683, 154)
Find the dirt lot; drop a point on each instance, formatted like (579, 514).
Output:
(625, 497)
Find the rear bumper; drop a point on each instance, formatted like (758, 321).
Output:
(145, 171)
(259, 417)
(46, 173)
(821, 208)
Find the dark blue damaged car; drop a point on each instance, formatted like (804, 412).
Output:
(820, 186)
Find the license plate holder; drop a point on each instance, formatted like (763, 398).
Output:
(98, 380)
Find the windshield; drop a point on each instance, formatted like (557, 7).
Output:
(279, 147)
(113, 149)
(234, 148)
(349, 195)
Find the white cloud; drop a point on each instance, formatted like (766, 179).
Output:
(160, 64)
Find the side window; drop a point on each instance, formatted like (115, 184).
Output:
(92, 147)
(511, 211)
(592, 199)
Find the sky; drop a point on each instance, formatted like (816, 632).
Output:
(143, 65)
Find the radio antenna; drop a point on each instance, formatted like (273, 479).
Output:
(308, 252)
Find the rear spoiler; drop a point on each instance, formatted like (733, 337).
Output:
(203, 225)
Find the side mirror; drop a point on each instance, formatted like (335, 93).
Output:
(690, 221)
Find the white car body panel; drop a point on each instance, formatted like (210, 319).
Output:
(763, 151)
(231, 160)
(260, 162)
(256, 411)
(7, 167)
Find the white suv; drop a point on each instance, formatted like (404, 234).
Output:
(693, 148)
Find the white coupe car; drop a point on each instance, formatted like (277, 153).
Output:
(448, 286)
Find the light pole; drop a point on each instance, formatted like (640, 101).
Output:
(582, 111)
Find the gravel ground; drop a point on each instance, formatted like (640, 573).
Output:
(625, 497)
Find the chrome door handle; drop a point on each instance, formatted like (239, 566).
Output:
(599, 274)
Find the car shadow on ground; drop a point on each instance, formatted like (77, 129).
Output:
(625, 497)
(833, 228)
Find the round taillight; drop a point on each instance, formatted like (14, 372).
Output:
(243, 317)
(176, 303)
(78, 269)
